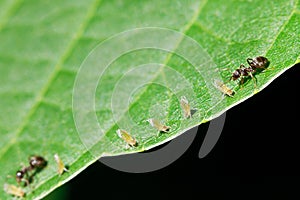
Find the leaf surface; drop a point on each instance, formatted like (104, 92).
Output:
(44, 43)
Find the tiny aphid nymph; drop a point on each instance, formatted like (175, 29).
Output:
(158, 125)
(223, 88)
(127, 137)
(13, 190)
(60, 165)
(185, 107)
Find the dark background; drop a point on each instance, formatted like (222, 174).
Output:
(256, 156)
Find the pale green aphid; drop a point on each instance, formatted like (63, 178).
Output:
(184, 103)
(13, 190)
(158, 125)
(223, 88)
(60, 165)
(131, 141)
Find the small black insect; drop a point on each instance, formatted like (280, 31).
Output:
(35, 163)
(256, 63)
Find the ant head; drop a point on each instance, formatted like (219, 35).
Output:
(20, 175)
(236, 74)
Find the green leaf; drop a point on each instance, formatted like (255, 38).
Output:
(43, 44)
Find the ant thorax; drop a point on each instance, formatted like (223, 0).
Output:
(242, 72)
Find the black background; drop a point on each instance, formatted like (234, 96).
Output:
(256, 156)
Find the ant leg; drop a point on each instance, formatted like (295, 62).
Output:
(228, 80)
(26, 182)
(254, 80)
(249, 61)
(264, 69)
(242, 83)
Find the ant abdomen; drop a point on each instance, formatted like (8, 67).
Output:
(37, 162)
(258, 62)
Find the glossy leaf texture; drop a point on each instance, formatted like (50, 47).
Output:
(44, 44)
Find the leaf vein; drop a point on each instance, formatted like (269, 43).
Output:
(10, 11)
(282, 27)
(58, 67)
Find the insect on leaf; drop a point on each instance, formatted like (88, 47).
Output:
(45, 46)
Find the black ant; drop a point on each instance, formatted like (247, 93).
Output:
(35, 163)
(256, 63)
